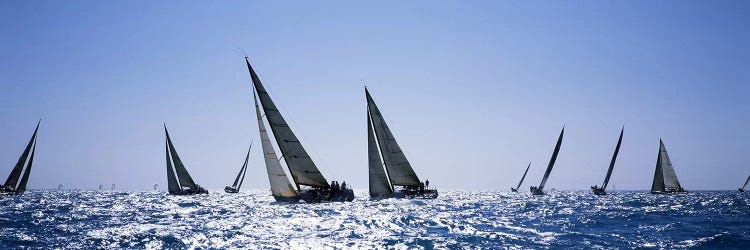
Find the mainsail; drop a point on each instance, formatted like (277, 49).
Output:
(182, 174)
(280, 185)
(524, 176)
(399, 170)
(302, 168)
(172, 184)
(25, 178)
(746, 181)
(379, 185)
(552, 160)
(15, 174)
(665, 178)
(237, 181)
(614, 158)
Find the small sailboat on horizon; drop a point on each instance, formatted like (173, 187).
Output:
(601, 190)
(522, 178)
(179, 181)
(12, 185)
(398, 170)
(303, 170)
(539, 190)
(235, 188)
(665, 178)
(742, 189)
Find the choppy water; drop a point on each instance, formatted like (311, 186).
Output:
(578, 219)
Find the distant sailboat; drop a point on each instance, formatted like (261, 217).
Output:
(601, 190)
(665, 179)
(101, 187)
(12, 185)
(178, 178)
(742, 189)
(522, 178)
(540, 189)
(300, 165)
(235, 188)
(156, 186)
(398, 169)
(113, 186)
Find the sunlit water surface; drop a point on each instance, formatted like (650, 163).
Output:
(458, 219)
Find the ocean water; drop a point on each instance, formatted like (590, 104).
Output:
(458, 219)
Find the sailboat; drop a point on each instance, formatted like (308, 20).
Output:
(665, 179)
(540, 189)
(303, 170)
(235, 188)
(742, 189)
(600, 190)
(179, 181)
(12, 185)
(522, 177)
(398, 171)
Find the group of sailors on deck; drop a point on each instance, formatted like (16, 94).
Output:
(335, 187)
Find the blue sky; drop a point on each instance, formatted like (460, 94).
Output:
(472, 90)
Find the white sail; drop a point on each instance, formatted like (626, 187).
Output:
(399, 170)
(379, 185)
(670, 177)
(301, 166)
(280, 185)
(665, 178)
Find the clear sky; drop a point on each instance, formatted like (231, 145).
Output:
(473, 90)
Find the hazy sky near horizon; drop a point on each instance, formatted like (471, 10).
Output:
(473, 90)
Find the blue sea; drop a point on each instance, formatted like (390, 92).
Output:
(457, 219)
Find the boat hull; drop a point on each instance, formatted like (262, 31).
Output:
(599, 191)
(409, 194)
(193, 191)
(326, 195)
(742, 190)
(537, 191)
(419, 194)
(9, 191)
(231, 190)
(286, 199)
(669, 192)
(514, 190)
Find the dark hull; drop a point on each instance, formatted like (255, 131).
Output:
(537, 191)
(669, 192)
(742, 190)
(419, 194)
(409, 194)
(326, 195)
(599, 191)
(8, 191)
(231, 190)
(198, 190)
(286, 199)
(514, 190)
